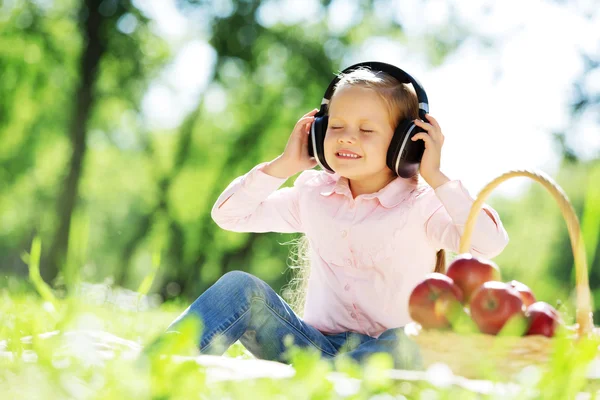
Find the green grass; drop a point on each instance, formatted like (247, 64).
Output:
(54, 368)
(87, 346)
(43, 368)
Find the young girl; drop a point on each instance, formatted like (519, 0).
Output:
(372, 235)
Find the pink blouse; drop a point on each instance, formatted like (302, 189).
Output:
(366, 253)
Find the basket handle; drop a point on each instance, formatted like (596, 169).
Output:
(584, 319)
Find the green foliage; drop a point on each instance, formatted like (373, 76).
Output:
(33, 261)
(141, 211)
(91, 349)
(141, 189)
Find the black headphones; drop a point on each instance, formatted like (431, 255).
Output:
(404, 155)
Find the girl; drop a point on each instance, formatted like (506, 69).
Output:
(372, 235)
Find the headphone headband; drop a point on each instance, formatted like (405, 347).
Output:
(400, 75)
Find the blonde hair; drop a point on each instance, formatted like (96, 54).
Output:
(402, 103)
(400, 98)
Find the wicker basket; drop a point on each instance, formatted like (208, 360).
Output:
(480, 355)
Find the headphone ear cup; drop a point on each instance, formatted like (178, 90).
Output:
(396, 143)
(312, 144)
(404, 155)
(316, 145)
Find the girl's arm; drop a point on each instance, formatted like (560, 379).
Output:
(252, 203)
(446, 210)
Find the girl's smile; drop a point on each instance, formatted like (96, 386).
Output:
(345, 154)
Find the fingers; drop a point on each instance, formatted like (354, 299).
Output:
(303, 125)
(311, 112)
(423, 125)
(305, 120)
(308, 125)
(308, 117)
(433, 121)
(422, 136)
(433, 128)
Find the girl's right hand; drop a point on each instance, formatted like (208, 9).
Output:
(295, 157)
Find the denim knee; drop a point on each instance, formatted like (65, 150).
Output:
(236, 281)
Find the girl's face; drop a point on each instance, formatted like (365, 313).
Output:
(358, 135)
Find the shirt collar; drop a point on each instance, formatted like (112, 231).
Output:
(389, 196)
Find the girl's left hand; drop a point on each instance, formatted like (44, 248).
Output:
(434, 140)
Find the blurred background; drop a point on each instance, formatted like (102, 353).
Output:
(121, 121)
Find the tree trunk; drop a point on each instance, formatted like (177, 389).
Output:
(90, 26)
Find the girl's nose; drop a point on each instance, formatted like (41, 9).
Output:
(347, 137)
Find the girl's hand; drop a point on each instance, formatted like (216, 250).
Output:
(434, 140)
(295, 157)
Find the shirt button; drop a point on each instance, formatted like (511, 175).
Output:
(347, 287)
(353, 315)
(348, 262)
(344, 233)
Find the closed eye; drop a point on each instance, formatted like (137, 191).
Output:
(336, 127)
(366, 130)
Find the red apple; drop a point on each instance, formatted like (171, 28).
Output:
(543, 319)
(494, 304)
(432, 300)
(524, 291)
(469, 273)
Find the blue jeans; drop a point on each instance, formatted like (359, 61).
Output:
(240, 306)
